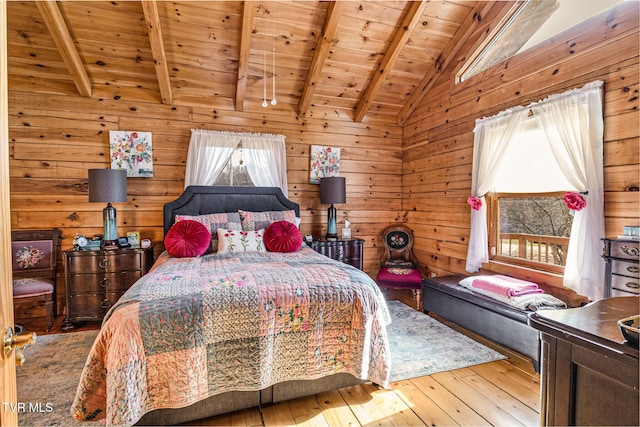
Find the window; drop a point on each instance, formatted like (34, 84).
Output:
(505, 148)
(530, 230)
(235, 171)
(527, 24)
(530, 224)
(515, 29)
(240, 157)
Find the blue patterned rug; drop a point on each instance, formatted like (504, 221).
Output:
(420, 345)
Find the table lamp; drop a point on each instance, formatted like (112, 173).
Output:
(108, 185)
(332, 190)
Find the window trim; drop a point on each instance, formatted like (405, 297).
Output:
(493, 228)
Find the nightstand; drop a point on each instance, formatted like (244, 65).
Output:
(348, 251)
(95, 280)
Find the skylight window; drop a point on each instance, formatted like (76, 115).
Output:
(527, 24)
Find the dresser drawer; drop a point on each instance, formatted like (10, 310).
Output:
(624, 249)
(91, 306)
(626, 284)
(106, 282)
(618, 293)
(95, 263)
(625, 268)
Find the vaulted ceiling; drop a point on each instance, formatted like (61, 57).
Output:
(363, 60)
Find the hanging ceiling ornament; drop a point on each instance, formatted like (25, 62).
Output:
(273, 54)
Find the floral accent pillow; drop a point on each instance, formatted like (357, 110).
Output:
(234, 241)
(228, 221)
(258, 220)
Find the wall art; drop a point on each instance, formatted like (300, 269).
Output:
(325, 162)
(131, 151)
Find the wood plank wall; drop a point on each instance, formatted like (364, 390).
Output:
(55, 137)
(438, 137)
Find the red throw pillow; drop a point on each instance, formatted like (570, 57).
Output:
(282, 236)
(187, 238)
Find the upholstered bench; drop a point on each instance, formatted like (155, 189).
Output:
(483, 315)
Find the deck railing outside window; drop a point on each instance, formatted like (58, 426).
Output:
(544, 249)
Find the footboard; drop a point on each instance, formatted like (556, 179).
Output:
(492, 319)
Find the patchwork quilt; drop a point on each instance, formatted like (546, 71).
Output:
(197, 327)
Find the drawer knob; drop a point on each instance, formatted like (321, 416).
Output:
(630, 251)
(633, 269)
(104, 282)
(632, 285)
(105, 304)
(104, 263)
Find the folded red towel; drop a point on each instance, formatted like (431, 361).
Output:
(505, 285)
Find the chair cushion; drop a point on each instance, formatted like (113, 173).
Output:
(23, 288)
(399, 278)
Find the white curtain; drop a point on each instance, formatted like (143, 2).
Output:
(266, 160)
(574, 127)
(209, 152)
(492, 136)
(573, 124)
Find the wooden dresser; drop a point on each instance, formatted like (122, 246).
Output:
(348, 251)
(95, 279)
(622, 274)
(589, 373)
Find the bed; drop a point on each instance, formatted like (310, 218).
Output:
(202, 336)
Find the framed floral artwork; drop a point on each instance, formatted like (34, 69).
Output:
(325, 162)
(131, 151)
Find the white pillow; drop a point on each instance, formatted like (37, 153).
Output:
(234, 241)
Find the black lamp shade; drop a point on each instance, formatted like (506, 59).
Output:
(107, 185)
(333, 190)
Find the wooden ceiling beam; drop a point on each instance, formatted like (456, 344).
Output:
(470, 24)
(320, 55)
(152, 20)
(62, 38)
(248, 12)
(409, 22)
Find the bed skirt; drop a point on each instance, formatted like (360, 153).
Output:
(237, 400)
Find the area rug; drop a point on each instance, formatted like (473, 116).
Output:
(48, 379)
(420, 345)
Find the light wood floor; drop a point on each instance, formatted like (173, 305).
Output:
(502, 393)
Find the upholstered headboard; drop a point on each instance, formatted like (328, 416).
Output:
(204, 199)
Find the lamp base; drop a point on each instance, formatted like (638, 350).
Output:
(110, 238)
(332, 229)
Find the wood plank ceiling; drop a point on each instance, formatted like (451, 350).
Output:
(362, 60)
